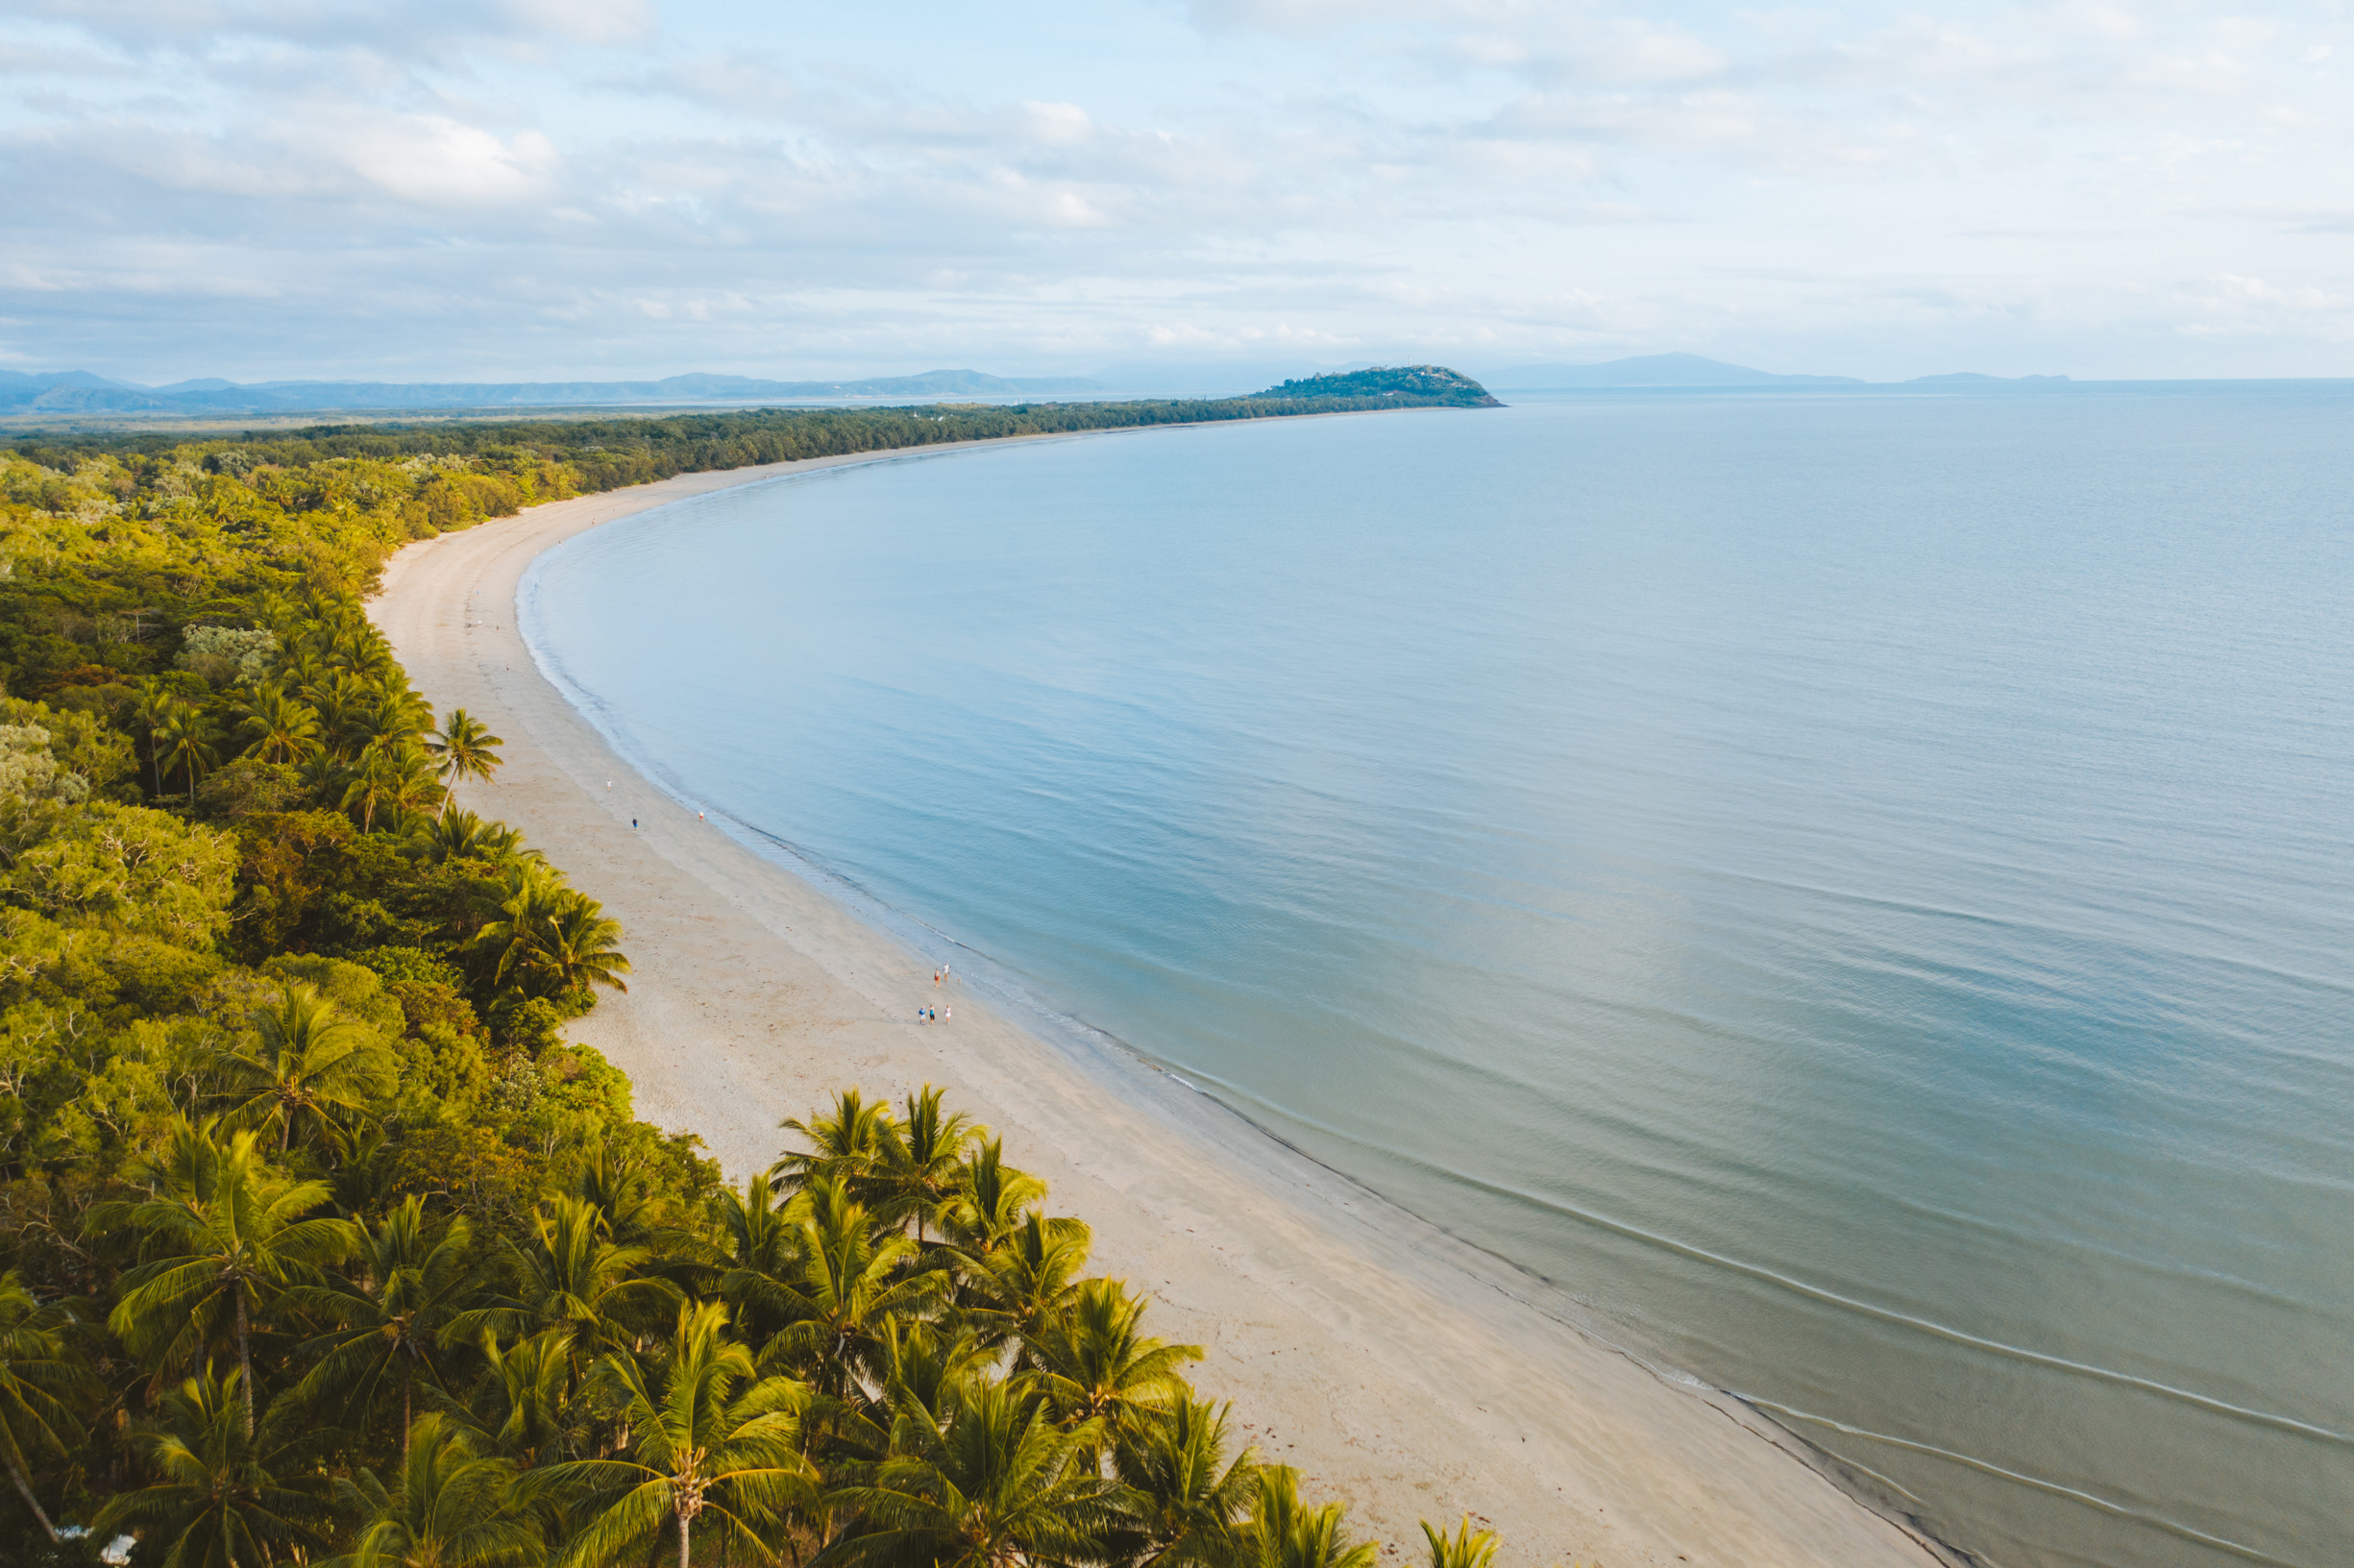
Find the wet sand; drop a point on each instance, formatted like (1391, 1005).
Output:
(1399, 1370)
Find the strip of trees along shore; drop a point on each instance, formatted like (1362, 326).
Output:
(318, 1241)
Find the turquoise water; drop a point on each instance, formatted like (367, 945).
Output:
(1856, 887)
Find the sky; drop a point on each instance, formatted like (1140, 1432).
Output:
(532, 190)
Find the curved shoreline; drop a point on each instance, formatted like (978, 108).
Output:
(1423, 1379)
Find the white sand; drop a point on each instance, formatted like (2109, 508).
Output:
(1398, 1370)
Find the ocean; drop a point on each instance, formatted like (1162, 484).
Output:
(1853, 888)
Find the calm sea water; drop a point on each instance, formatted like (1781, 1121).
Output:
(1857, 888)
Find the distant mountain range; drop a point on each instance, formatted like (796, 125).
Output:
(81, 392)
(1692, 370)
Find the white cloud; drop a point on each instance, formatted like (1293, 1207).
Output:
(599, 184)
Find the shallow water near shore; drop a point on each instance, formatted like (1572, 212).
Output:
(1854, 887)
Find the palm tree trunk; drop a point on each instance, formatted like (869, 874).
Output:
(24, 1489)
(405, 1417)
(683, 1561)
(245, 1360)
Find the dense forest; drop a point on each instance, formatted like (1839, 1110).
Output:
(318, 1240)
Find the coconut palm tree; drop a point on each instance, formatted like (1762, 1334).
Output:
(390, 775)
(148, 711)
(1185, 1497)
(308, 1067)
(414, 1278)
(553, 941)
(1284, 1533)
(991, 1203)
(459, 834)
(183, 743)
(221, 1236)
(1096, 1365)
(450, 1505)
(223, 1498)
(760, 1255)
(923, 1163)
(849, 1284)
(1467, 1548)
(279, 727)
(1028, 1281)
(339, 700)
(38, 1375)
(711, 1443)
(987, 1481)
(464, 748)
(573, 1280)
(854, 1143)
(578, 948)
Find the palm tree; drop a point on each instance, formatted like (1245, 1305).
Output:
(394, 719)
(991, 1203)
(760, 1256)
(1284, 1533)
(523, 1397)
(220, 1236)
(988, 1482)
(1027, 1284)
(1467, 1548)
(1095, 1363)
(555, 941)
(283, 728)
(849, 1285)
(459, 834)
(184, 744)
(451, 1505)
(709, 1436)
(148, 711)
(394, 774)
(853, 1143)
(579, 947)
(464, 748)
(389, 1324)
(308, 1065)
(341, 699)
(923, 1163)
(222, 1497)
(34, 1371)
(1185, 1497)
(571, 1278)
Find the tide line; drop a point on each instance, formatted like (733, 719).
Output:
(1816, 1292)
(2092, 1500)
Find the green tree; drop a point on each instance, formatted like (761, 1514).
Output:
(1185, 1496)
(1095, 1363)
(186, 742)
(413, 1280)
(707, 1436)
(451, 1505)
(220, 1238)
(38, 1375)
(1467, 1548)
(308, 1066)
(464, 748)
(988, 1481)
(1284, 1533)
(223, 1497)
(849, 1285)
(279, 727)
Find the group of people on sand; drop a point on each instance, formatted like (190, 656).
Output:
(940, 976)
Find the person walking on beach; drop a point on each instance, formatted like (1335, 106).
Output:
(947, 1012)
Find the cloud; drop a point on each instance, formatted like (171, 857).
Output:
(606, 185)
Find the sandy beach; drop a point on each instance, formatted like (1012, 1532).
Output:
(1400, 1371)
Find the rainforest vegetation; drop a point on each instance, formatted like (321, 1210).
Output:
(320, 1242)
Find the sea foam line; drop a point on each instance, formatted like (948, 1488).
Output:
(1816, 1292)
(2073, 1494)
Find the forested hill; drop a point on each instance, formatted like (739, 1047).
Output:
(1410, 385)
(320, 1242)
